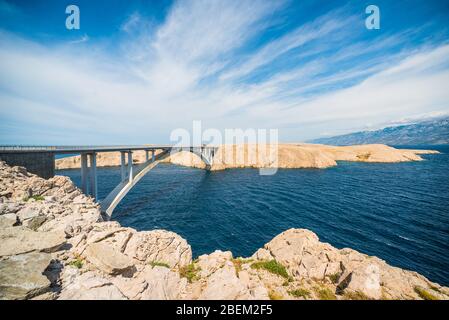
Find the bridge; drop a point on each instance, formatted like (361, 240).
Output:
(41, 161)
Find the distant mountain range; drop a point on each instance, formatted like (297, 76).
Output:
(431, 132)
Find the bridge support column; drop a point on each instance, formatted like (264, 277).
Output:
(123, 165)
(153, 154)
(93, 175)
(147, 156)
(84, 173)
(130, 166)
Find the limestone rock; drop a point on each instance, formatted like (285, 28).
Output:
(161, 246)
(28, 212)
(262, 254)
(8, 220)
(17, 240)
(210, 263)
(163, 284)
(225, 285)
(107, 259)
(364, 279)
(90, 286)
(21, 276)
(9, 207)
(34, 223)
(131, 288)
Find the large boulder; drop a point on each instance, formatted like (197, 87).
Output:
(21, 276)
(364, 279)
(108, 260)
(89, 286)
(163, 284)
(209, 263)
(159, 246)
(8, 220)
(17, 240)
(224, 284)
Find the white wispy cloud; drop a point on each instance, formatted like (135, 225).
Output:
(193, 66)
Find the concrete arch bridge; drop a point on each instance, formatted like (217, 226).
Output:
(40, 160)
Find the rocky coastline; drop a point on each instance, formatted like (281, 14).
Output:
(54, 244)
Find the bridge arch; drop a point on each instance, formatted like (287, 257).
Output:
(131, 174)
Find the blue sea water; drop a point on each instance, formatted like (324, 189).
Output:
(398, 212)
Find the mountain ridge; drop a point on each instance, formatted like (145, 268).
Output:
(429, 132)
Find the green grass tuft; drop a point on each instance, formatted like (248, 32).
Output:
(159, 264)
(77, 263)
(356, 296)
(35, 198)
(325, 294)
(273, 295)
(272, 266)
(299, 293)
(424, 294)
(334, 277)
(190, 272)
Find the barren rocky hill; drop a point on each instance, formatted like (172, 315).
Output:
(269, 156)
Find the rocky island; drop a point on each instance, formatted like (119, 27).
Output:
(292, 156)
(55, 244)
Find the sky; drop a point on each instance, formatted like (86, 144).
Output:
(137, 70)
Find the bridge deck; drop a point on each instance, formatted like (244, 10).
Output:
(80, 149)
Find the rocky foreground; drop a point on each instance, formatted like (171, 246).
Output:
(279, 156)
(54, 244)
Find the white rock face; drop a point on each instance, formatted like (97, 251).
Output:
(90, 286)
(160, 246)
(17, 240)
(108, 260)
(210, 263)
(21, 276)
(8, 220)
(163, 284)
(224, 284)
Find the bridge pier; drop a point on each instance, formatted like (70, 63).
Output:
(130, 166)
(84, 173)
(89, 174)
(93, 175)
(123, 165)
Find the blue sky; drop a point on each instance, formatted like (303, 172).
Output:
(136, 70)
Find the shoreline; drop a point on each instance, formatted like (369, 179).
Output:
(71, 253)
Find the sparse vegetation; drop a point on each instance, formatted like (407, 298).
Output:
(351, 295)
(273, 295)
(334, 277)
(299, 293)
(364, 156)
(190, 272)
(325, 294)
(238, 264)
(272, 266)
(159, 264)
(424, 294)
(35, 198)
(77, 263)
